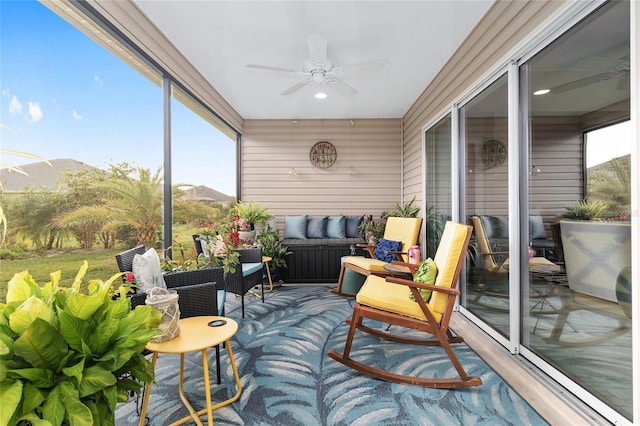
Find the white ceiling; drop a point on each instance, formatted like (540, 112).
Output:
(221, 37)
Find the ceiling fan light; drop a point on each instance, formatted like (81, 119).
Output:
(320, 95)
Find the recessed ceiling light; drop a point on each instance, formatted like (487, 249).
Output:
(541, 92)
(320, 95)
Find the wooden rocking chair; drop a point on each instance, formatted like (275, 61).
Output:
(388, 300)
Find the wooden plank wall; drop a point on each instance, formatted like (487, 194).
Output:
(270, 148)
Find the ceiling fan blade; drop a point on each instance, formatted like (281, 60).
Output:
(299, 85)
(317, 48)
(270, 68)
(342, 87)
(576, 84)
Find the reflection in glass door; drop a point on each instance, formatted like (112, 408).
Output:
(483, 122)
(438, 182)
(576, 306)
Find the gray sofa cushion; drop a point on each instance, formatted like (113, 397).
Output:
(317, 227)
(352, 226)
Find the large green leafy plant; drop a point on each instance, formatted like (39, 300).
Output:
(70, 357)
(269, 240)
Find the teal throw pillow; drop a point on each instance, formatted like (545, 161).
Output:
(295, 226)
(426, 274)
(336, 227)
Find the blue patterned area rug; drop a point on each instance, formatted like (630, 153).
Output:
(287, 378)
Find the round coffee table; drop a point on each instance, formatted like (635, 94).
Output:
(197, 334)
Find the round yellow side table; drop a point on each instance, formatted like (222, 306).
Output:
(197, 334)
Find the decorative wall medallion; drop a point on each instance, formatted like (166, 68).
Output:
(493, 153)
(323, 154)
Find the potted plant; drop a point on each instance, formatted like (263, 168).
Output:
(408, 209)
(252, 213)
(69, 357)
(269, 240)
(372, 230)
(585, 210)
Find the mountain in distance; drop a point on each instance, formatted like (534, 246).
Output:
(41, 175)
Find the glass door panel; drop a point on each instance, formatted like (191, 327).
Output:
(483, 123)
(577, 298)
(438, 182)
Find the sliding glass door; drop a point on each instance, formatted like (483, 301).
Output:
(483, 132)
(576, 302)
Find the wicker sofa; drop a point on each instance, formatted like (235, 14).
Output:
(317, 244)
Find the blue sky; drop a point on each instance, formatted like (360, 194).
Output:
(64, 96)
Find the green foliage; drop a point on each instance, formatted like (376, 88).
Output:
(586, 210)
(32, 215)
(65, 354)
(252, 212)
(434, 223)
(132, 198)
(611, 184)
(269, 240)
(16, 169)
(408, 209)
(372, 230)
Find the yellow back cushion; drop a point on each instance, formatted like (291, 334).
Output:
(451, 247)
(405, 230)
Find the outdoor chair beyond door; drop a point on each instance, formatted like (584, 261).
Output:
(402, 230)
(388, 300)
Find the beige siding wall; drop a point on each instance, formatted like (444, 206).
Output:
(503, 28)
(270, 148)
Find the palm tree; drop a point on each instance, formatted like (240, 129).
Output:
(128, 203)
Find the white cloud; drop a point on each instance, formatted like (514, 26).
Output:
(6, 92)
(97, 79)
(15, 107)
(35, 113)
(76, 115)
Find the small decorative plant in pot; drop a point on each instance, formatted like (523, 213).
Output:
(269, 240)
(372, 230)
(68, 357)
(252, 213)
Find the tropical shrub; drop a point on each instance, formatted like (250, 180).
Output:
(586, 210)
(67, 356)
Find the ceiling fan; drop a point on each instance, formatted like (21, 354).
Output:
(619, 69)
(319, 69)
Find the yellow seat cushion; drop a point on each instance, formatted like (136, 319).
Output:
(378, 293)
(368, 264)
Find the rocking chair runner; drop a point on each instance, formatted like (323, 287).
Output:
(388, 300)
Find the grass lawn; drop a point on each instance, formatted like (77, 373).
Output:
(102, 265)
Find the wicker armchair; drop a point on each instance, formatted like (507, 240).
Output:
(247, 275)
(199, 291)
(125, 259)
